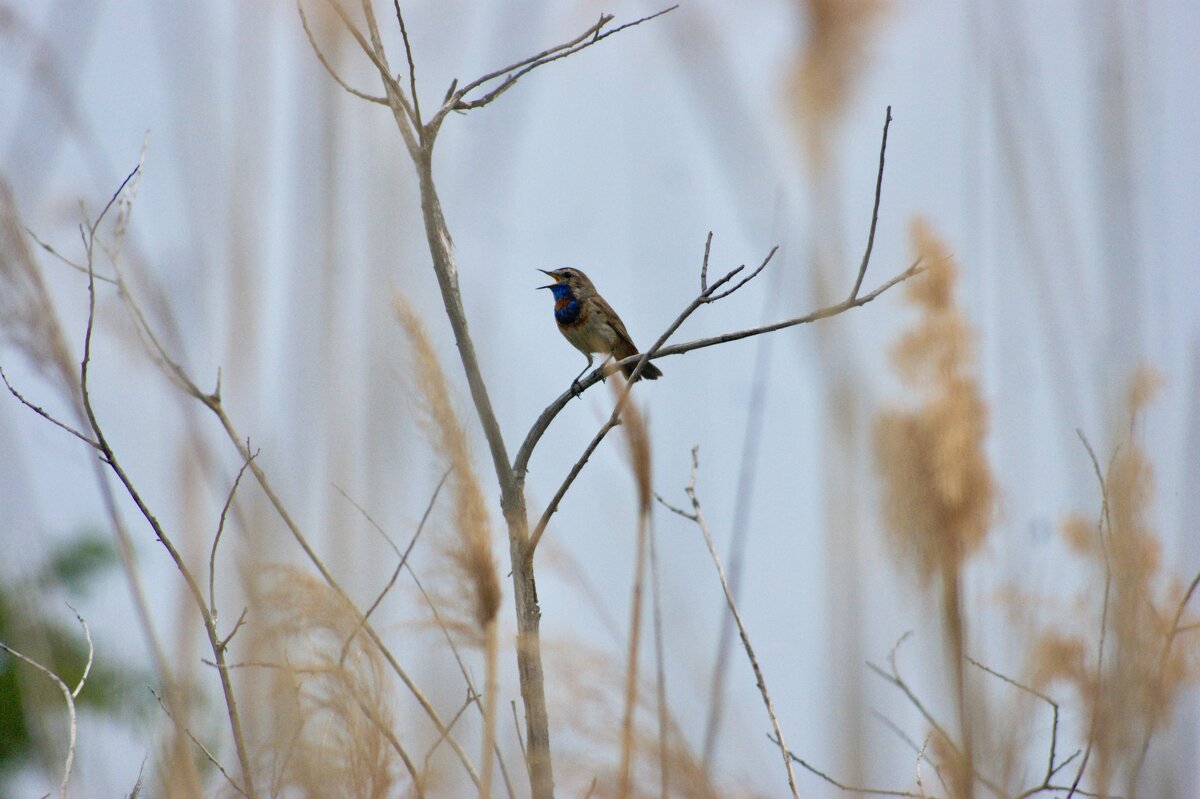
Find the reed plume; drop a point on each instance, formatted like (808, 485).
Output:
(939, 491)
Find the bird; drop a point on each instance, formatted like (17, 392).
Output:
(590, 324)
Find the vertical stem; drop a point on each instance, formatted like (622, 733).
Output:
(631, 667)
(490, 688)
(956, 642)
(512, 495)
(529, 652)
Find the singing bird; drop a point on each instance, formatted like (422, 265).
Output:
(590, 323)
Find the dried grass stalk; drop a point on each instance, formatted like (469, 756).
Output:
(470, 553)
(331, 724)
(939, 489)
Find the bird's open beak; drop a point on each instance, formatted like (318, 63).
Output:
(551, 274)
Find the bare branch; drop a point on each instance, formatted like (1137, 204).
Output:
(403, 558)
(521, 463)
(412, 70)
(523, 67)
(390, 83)
(895, 679)
(639, 362)
(471, 698)
(212, 555)
(698, 515)
(1103, 522)
(824, 313)
(213, 402)
(370, 98)
(237, 625)
(46, 414)
(843, 786)
(207, 752)
(1051, 768)
(87, 668)
(110, 458)
(77, 267)
(520, 738)
(743, 281)
(540, 528)
(866, 259)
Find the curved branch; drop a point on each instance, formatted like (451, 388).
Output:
(70, 700)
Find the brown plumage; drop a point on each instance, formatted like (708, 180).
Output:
(591, 325)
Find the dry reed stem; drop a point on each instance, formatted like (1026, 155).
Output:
(332, 726)
(472, 554)
(1137, 670)
(638, 447)
(939, 488)
(591, 683)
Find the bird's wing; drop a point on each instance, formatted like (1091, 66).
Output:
(625, 346)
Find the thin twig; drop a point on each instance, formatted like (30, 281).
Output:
(895, 679)
(108, 455)
(866, 259)
(370, 98)
(87, 667)
(520, 737)
(462, 667)
(69, 696)
(212, 555)
(389, 82)
(403, 557)
(698, 517)
(45, 414)
(207, 752)
(638, 362)
(449, 726)
(843, 786)
(913, 745)
(412, 70)
(64, 259)
(522, 68)
(1051, 767)
(521, 463)
(212, 401)
(1103, 523)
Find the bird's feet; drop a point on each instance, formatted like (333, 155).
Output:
(576, 388)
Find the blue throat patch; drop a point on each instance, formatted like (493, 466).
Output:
(566, 307)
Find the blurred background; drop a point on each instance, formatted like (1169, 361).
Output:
(1050, 145)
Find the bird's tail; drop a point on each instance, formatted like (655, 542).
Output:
(649, 371)
(625, 349)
